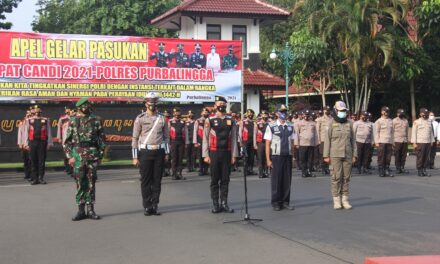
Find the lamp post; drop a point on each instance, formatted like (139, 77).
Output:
(287, 57)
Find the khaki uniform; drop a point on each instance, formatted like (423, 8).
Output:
(384, 136)
(152, 148)
(363, 132)
(307, 139)
(322, 127)
(423, 136)
(340, 146)
(401, 128)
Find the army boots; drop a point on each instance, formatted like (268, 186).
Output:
(225, 208)
(81, 214)
(337, 203)
(216, 207)
(91, 212)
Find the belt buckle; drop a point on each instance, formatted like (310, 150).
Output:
(153, 147)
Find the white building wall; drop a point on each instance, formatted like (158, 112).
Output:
(253, 100)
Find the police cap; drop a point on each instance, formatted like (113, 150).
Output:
(176, 109)
(306, 112)
(151, 97)
(220, 99)
(197, 45)
(364, 113)
(282, 108)
(424, 110)
(385, 109)
(161, 44)
(230, 47)
(400, 111)
(213, 46)
(180, 46)
(190, 113)
(250, 111)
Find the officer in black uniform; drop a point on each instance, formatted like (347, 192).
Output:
(162, 58)
(167, 164)
(248, 133)
(261, 145)
(182, 59)
(220, 152)
(189, 134)
(198, 58)
(38, 138)
(177, 144)
(198, 141)
(279, 137)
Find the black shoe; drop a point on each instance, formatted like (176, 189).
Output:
(359, 170)
(225, 208)
(180, 177)
(276, 208)
(381, 172)
(81, 214)
(304, 175)
(288, 207)
(91, 212)
(155, 210)
(43, 181)
(326, 171)
(216, 208)
(366, 171)
(425, 173)
(388, 173)
(420, 173)
(35, 182)
(148, 211)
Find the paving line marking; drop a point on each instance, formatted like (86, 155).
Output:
(15, 185)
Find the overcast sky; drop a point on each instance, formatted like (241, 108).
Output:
(22, 16)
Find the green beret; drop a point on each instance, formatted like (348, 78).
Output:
(82, 101)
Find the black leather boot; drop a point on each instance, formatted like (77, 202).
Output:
(225, 208)
(388, 172)
(91, 212)
(381, 172)
(180, 177)
(359, 170)
(155, 210)
(216, 207)
(420, 173)
(174, 176)
(426, 173)
(81, 214)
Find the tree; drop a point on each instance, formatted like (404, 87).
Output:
(101, 17)
(6, 6)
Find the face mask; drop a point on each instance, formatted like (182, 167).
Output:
(342, 115)
(282, 116)
(161, 48)
(265, 118)
(306, 117)
(152, 108)
(178, 116)
(205, 115)
(37, 113)
(197, 50)
(221, 108)
(431, 117)
(424, 117)
(230, 51)
(250, 116)
(385, 113)
(85, 110)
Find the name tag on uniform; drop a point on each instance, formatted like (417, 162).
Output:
(229, 122)
(276, 129)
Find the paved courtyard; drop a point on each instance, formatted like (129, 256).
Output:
(391, 216)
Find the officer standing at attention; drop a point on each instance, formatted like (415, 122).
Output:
(37, 139)
(182, 59)
(84, 146)
(279, 138)
(306, 139)
(261, 145)
(322, 126)
(189, 138)
(150, 149)
(383, 137)
(198, 58)
(162, 58)
(63, 124)
(220, 151)
(363, 133)
(198, 140)
(248, 133)
(422, 137)
(340, 152)
(401, 127)
(27, 166)
(435, 129)
(177, 144)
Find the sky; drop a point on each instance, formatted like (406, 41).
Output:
(22, 16)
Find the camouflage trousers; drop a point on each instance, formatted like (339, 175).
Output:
(84, 172)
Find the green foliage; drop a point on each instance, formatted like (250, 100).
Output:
(6, 6)
(101, 17)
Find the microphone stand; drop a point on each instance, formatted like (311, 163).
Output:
(247, 217)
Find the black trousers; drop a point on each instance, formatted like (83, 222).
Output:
(296, 156)
(324, 165)
(220, 172)
(423, 152)
(317, 158)
(261, 154)
(176, 152)
(432, 154)
(281, 179)
(384, 155)
(250, 152)
(203, 167)
(38, 150)
(363, 153)
(400, 152)
(27, 165)
(190, 156)
(306, 154)
(151, 170)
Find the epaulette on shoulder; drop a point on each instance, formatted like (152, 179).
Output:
(140, 115)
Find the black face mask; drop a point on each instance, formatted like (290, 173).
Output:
(152, 108)
(425, 117)
(38, 114)
(221, 108)
(250, 116)
(85, 110)
(364, 119)
(205, 115)
(400, 115)
(265, 118)
(178, 116)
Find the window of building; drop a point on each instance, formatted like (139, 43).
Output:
(213, 32)
(240, 32)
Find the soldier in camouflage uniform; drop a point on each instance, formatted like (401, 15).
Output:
(230, 62)
(84, 146)
(162, 58)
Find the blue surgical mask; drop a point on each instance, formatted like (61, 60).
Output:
(282, 116)
(342, 115)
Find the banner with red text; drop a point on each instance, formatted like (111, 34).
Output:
(117, 68)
